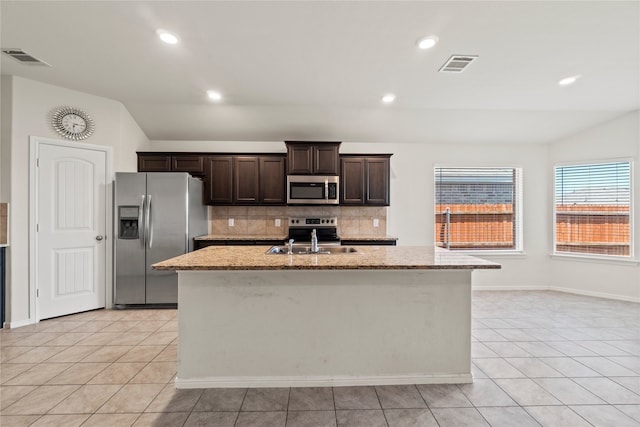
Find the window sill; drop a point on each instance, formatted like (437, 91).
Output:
(594, 259)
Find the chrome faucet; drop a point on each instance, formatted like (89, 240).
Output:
(314, 241)
(290, 247)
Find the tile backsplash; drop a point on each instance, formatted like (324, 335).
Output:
(260, 220)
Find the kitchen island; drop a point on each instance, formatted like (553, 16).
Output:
(381, 315)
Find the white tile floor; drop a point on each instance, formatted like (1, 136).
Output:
(540, 358)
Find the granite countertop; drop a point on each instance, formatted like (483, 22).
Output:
(230, 237)
(366, 258)
(241, 237)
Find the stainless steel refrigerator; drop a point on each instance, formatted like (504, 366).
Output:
(156, 217)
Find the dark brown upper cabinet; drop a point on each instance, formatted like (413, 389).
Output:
(313, 158)
(272, 180)
(154, 163)
(218, 180)
(351, 180)
(245, 180)
(364, 179)
(260, 179)
(186, 163)
(171, 162)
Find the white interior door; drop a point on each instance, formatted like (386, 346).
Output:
(71, 230)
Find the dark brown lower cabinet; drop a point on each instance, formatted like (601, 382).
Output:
(384, 242)
(199, 244)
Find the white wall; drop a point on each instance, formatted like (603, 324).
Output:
(619, 138)
(410, 216)
(31, 103)
(5, 137)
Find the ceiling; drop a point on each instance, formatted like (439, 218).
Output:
(316, 70)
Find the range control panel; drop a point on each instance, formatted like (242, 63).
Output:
(314, 222)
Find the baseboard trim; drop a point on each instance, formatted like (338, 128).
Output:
(19, 323)
(594, 294)
(509, 288)
(320, 381)
(558, 289)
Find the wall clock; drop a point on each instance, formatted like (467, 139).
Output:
(72, 123)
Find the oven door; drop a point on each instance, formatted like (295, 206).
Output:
(312, 190)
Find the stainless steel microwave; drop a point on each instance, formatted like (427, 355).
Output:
(312, 190)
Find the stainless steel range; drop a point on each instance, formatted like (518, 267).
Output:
(300, 229)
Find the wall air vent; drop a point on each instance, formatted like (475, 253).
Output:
(23, 57)
(457, 63)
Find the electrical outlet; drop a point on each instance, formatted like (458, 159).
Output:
(278, 222)
(231, 222)
(376, 223)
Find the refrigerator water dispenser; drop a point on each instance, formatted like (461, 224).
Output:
(129, 220)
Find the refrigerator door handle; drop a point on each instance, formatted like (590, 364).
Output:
(150, 222)
(143, 236)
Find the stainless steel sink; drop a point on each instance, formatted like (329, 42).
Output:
(306, 250)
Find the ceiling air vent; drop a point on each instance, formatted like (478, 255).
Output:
(23, 57)
(457, 63)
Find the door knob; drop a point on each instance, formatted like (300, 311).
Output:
(99, 237)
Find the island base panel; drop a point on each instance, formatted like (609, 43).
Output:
(323, 328)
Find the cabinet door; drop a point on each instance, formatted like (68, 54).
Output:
(154, 163)
(246, 180)
(377, 181)
(300, 158)
(188, 163)
(352, 180)
(325, 159)
(272, 180)
(219, 180)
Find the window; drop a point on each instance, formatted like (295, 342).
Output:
(592, 209)
(478, 208)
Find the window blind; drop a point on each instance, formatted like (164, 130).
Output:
(477, 208)
(592, 208)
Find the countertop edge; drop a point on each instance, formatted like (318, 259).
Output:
(254, 258)
(311, 268)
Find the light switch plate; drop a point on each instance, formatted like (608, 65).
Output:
(231, 222)
(376, 223)
(278, 222)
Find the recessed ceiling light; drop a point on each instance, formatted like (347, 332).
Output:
(388, 98)
(569, 80)
(167, 37)
(427, 42)
(214, 95)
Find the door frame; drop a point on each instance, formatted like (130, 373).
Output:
(34, 148)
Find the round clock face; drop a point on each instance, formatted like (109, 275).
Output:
(72, 123)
